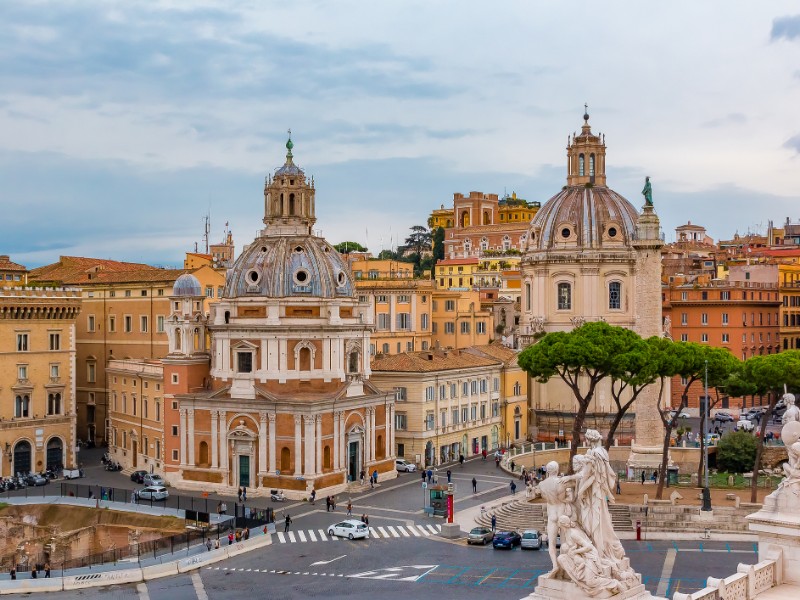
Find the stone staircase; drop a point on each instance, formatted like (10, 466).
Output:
(517, 515)
(686, 519)
(621, 517)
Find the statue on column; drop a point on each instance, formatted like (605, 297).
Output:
(647, 192)
(790, 434)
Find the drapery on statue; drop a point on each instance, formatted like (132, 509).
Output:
(647, 192)
(592, 556)
(790, 434)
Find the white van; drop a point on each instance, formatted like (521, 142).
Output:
(745, 425)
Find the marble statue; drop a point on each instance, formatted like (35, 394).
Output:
(792, 412)
(581, 563)
(557, 492)
(790, 434)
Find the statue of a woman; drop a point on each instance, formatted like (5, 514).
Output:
(647, 192)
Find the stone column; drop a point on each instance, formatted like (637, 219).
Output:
(319, 463)
(298, 452)
(272, 444)
(335, 440)
(309, 445)
(214, 439)
(392, 313)
(190, 427)
(389, 429)
(223, 444)
(342, 440)
(183, 433)
(262, 442)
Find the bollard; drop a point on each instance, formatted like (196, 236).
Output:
(638, 531)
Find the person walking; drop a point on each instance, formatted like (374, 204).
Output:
(461, 459)
(371, 481)
(327, 504)
(497, 461)
(642, 476)
(47, 570)
(375, 476)
(483, 453)
(230, 539)
(208, 544)
(244, 494)
(216, 544)
(513, 488)
(362, 476)
(619, 487)
(13, 573)
(430, 476)
(239, 494)
(474, 486)
(313, 495)
(219, 508)
(449, 474)
(513, 464)
(422, 474)
(349, 508)
(286, 523)
(494, 522)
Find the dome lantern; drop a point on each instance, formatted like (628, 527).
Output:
(289, 199)
(586, 156)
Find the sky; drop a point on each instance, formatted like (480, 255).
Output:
(123, 124)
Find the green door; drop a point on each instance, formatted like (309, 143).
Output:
(244, 471)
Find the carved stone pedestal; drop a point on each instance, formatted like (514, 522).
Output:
(778, 528)
(645, 458)
(559, 589)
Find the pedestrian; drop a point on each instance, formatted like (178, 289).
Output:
(208, 544)
(513, 487)
(244, 494)
(219, 508)
(422, 474)
(47, 570)
(497, 461)
(134, 497)
(286, 522)
(349, 508)
(483, 453)
(430, 475)
(364, 518)
(224, 508)
(375, 476)
(216, 544)
(512, 466)
(239, 494)
(34, 574)
(642, 476)
(494, 522)
(654, 476)
(247, 533)
(313, 495)
(13, 573)
(619, 487)
(371, 481)
(327, 504)
(333, 503)
(474, 486)
(361, 476)
(449, 474)
(461, 459)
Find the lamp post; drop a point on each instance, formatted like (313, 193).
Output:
(706, 492)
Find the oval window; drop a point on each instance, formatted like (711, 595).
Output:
(253, 276)
(565, 232)
(340, 278)
(301, 276)
(298, 249)
(612, 232)
(263, 248)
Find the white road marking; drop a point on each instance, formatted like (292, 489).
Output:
(666, 572)
(325, 562)
(322, 536)
(413, 530)
(282, 537)
(302, 535)
(199, 589)
(291, 536)
(433, 529)
(141, 588)
(384, 533)
(403, 531)
(311, 535)
(393, 532)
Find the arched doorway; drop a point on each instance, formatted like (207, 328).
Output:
(243, 442)
(55, 454)
(354, 444)
(22, 457)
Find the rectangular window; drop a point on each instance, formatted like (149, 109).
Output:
(382, 299)
(473, 411)
(496, 384)
(725, 338)
(464, 326)
(684, 318)
(55, 371)
(403, 321)
(55, 341)
(564, 296)
(724, 295)
(400, 421)
(158, 411)
(484, 386)
(244, 362)
(473, 387)
(91, 372)
(724, 318)
(443, 418)
(175, 378)
(704, 318)
(175, 455)
(684, 295)
(127, 293)
(209, 292)
(22, 372)
(453, 390)
(704, 295)
(483, 410)
(402, 299)
(133, 404)
(704, 338)
(465, 389)
(424, 322)
(175, 431)
(127, 323)
(450, 305)
(160, 324)
(464, 414)
(383, 321)
(22, 342)
(454, 416)
(480, 327)
(449, 327)
(684, 337)
(401, 394)
(442, 392)
(495, 409)
(90, 322)
(112, 323)
(429, 422)
(143, 323)
(429, 394)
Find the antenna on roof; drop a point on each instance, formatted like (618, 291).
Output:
(206, 229)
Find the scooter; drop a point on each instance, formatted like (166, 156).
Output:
(277, 495)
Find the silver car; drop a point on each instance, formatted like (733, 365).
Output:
(531, 539)
(153, 492)
(480, 535)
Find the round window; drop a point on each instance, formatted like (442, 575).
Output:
(301, 276)
(252, 276)
(612, 232)
(298, 249)
(263, 248)
(565, 232)
(340, 278)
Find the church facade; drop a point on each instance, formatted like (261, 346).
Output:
(271, 390)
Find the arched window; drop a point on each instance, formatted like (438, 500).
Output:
(203, 462)
(591, 165)
(305, 359)
(564, 296)
(326, 458)
(527, 296)
(178, 344)
(22, 406)
(487, 220)
(581, 165)
(286, 459)
(291, 204)
(484, 244)
(614, 295)
(506, 242)
(196, 340)
(380, 448)
(352, 366)
(465, 219)
(54, 404)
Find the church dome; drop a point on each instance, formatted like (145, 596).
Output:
(285, 266)
(187, 285)
(583, 216)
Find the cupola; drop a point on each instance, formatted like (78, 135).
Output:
(586, 156)
(289, 199)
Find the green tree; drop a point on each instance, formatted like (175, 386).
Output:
(419, 240)
(348, 247)
(581, 358)
(736, 452)
(768, 374)
(437, 240)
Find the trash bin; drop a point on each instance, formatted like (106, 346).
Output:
(638, 531)
(672, 475)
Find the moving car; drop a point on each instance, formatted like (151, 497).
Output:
(480, 535)
(723, 417)
(153, 492)
(350, 529)
(745, 425)
(152, 479)
(506, 539)
(531, 539)
(138, 476)
(401, 464)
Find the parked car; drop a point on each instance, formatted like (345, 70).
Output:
(401, 464)
(531, 539)
(547, 541)
(480, 535)
(153, 492)
(350, 529)
(723, 417)
(755, 413)
(138, 476)
(506, 539)
(72, 473)
(745, 425)
(684, 414)
(36, 479)
(153, 479)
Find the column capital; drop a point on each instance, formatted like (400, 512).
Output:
(318, 419)
(190, 412)
(262, 414)
(182, 412)
(271, 417)
(298, 419)
(214, 414)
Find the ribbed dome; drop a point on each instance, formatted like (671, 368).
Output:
(187, 285)
(277, 267)
(587, 217)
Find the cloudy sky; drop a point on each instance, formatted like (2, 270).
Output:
(123, 123)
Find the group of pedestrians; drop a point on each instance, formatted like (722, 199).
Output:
(34, 571)
(373, 478)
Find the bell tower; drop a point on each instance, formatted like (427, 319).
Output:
(289, 199)
(586, 156)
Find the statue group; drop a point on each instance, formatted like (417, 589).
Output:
(591, 554)
(790, 434)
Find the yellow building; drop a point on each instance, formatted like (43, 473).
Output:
(459, 320)
(516, 210)
(513, 392)
(789, 294)
(124, 310)
(456, 273)
(490, 270)
(441, 217)
(12, 273)
(447, 403)
(37, 412)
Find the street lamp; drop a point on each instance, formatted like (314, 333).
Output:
(706, 492)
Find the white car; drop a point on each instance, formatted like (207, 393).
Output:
(745, 425)
(402, 464)
(153, 492)
(153, 479)
(350, 529)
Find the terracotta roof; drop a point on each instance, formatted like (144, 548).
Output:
(521, 226)
(76, 269)
(7, 265)
(495, 350)
(457, 261)
(429, 361)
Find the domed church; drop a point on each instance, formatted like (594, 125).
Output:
(287, 402)
(592, 256)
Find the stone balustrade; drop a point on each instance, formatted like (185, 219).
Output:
(746, 584)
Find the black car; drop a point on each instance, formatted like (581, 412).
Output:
(506, 539)
(138, 476)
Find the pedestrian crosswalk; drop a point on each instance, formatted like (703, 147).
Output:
(385, 532)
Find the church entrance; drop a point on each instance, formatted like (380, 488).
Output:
(244, 470)
(134, 452)
(353, 460)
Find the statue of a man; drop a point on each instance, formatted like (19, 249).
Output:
(557, 492)
(792, 412)
(647, 192)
